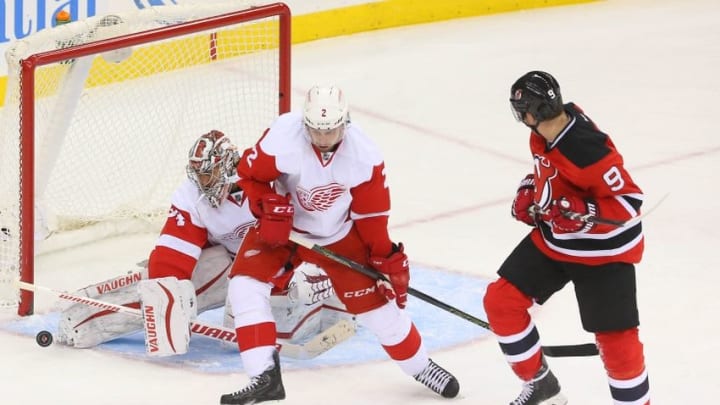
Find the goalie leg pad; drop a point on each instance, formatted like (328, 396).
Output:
(113, 284)
(84, 326)
(309, 285)
(168, 307)
(298, 322)
(210, 277)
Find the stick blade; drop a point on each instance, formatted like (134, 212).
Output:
(581, 350)
(322, 342)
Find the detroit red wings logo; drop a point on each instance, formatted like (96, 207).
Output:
(238, 233)
(320, 198)
(544, 173)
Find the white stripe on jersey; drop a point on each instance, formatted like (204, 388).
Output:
(179, 245)
(596, 253)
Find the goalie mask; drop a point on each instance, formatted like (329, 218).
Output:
(325, 115)
(211, 162)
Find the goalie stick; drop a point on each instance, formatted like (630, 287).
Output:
(319, 344)
(588, 349)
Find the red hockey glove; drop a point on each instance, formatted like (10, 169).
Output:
(397, 269)
(566, 214)
(524, 199)
(275, 223)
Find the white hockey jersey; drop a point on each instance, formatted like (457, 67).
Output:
(193, 224)
(328, 190)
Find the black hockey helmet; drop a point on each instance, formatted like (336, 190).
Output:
(537, 93)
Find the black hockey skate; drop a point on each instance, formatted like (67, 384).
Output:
(267, 386)
(439, 380)
(543, 389)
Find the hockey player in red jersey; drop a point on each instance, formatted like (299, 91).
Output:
(328, 183)
(207, 220)
(577, 170)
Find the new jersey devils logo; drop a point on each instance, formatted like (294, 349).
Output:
(544, 173)
(320, 198)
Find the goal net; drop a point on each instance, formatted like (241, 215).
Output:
(100, 114)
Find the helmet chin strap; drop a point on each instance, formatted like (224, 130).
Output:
(533, 127)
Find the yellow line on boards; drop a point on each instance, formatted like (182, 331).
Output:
(344, 21)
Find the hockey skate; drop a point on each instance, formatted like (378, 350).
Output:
(267, 386)
(543, 389)
(439, 380)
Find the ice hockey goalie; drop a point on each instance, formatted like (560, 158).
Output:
(207, 219)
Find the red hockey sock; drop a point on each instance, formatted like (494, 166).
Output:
(251, 336)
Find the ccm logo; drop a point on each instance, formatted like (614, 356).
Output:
(283, 210)
(359, 293)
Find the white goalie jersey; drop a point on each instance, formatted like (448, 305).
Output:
(193, 224)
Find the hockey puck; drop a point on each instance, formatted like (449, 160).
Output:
(44, 338)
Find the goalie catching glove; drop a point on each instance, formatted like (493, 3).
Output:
(396, 270)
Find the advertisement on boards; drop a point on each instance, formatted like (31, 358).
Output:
(20, 18)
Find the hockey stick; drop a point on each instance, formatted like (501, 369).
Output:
(588, 349)
(316, 346)
(320, 343)
(594, 219)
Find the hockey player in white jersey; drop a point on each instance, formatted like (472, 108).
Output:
(206, 222)
(321, 175)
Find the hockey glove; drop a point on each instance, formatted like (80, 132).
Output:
(566, 215)
(397, 270)
(524, 199)
(275, 223)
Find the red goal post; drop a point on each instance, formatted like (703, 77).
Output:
(99, 115)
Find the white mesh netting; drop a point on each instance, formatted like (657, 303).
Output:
(112, 131)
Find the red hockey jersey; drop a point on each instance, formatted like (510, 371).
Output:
(582, 161)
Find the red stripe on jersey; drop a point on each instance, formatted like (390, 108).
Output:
(179, 225)
(373, 232)
(166, 262)
(256, 170)
(373, 198)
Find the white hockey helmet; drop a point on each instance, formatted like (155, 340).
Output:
(325, 108)
(211, 164)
